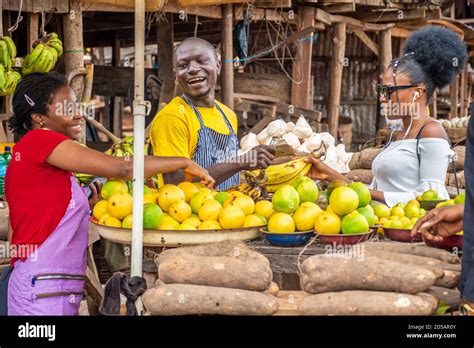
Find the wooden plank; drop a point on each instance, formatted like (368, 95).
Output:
(463, 94)
(50, 6)
(265, 14)
(73, 44)
(251, 106)
(270, 85)
(385, 57)
(165, 41)
(260, 125)
(340, 8)
(257, 97)
(399, 32)
(273, 3)
(33, 29)
(301, 84)
(227, 73)
(392, 16)
(114, 81)
(335, 77)
(367, 40)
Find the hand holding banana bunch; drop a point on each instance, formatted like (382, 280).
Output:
(44, 56)
(8, 77)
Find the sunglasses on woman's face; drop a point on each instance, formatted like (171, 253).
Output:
(386, 91)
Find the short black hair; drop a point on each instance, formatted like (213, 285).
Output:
(33, 94)
(198, 40)
(433, 55)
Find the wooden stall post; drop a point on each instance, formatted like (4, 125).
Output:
(33, 27)
(454, 91)
(165, 40)
(227, 75)
(385, 57)
(116, 101)
(73, 44)
(463, 94)
(335, 76)
(301, 95)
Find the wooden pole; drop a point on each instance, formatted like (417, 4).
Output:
(73, 44)
(454, 98)
(165, 40)
(335, 76)
(116, 101)
(227, 75)
(33, 28)
(301, 95)
(385, 57)
(463, 93)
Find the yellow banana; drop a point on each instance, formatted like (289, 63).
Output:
(303, 172)
(284, 172)
(43, 61)
(31, 58)
(4, 54)
(57, 45)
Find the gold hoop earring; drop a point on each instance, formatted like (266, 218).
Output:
(41, 124)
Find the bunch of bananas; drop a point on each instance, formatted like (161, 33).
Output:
(44, 56)
(279, 175)
(8, 81)
(7, 52)
(251, 190)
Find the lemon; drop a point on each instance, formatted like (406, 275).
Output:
(231, 217)
(210, 210)
(286, 199)
(343, 200)
(170, 194)
(113, 186)
(387, 223)
(221, 197)
(180, 211)
(198, 199)
(244, 202)
(281, 223)
(127, 222)
(152, 216)
(120, 205)
(396, 224)
(193, 221)
(189, 190)
(394, 218)
(100, 208)
(112, 222)
(209, 225)
(382, 211)
(254, 220)
(413, 202)
(149, 198)
(102, 219)
(430, 195)
(397, 211)
(206, 190)
(414, 220)
(327, 223)
(168, 223)
(264, 208)
(186, 227)
(354, 223)
(412, 211)
(236, 193)
(304, 218)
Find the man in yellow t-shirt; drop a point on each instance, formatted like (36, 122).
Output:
(195, 125)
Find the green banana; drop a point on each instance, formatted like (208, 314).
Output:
(11, 46)
(4, 54)
(52, 60)
(57, 45)
(31, 59)
(42, 61)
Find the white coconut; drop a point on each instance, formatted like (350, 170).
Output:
(262, 136)
(292, 140)
(328, 138)
(313, 142)
(303, 148)
(446, 124)
(331, 154)
(249, 141)
(302, 128)
(276, 128)
(290, 126)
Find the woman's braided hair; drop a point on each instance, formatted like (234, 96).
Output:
(33, 95)
(433, 55)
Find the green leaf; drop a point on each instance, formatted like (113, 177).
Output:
(442, 308)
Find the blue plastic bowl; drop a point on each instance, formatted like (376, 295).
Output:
(288, 239)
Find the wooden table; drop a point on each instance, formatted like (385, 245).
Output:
(288, 302)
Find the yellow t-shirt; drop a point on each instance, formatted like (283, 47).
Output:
(174, 130)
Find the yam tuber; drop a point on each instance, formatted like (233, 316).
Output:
(450, 280)
(366, 303)
(183, 299)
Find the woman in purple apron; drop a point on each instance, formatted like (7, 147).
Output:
(48, 209)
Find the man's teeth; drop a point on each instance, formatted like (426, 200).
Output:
(198, 79)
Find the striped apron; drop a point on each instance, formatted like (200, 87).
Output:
(213, 147)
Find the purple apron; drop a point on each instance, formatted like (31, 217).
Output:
(51, 282)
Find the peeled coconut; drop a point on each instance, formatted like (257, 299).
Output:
(331, 154)
(276, 128)
(446, 124)
(249, 141)
(292, 140)
(313, 142)
(262, 136)
(290, 126)
(302, 128)
(303, 148)
(328, 138)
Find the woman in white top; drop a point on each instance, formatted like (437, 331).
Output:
(416, 158)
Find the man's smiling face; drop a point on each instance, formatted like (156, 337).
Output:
(196, 68)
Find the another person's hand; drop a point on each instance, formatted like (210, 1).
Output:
(321, 171)
(260, 157)
(193, 170)
(440, 222)
(95, 186)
